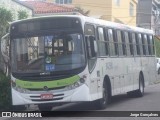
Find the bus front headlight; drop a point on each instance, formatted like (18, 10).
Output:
(21, 90)
(80, 82)
(18, 88)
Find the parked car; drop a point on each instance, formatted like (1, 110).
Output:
(158, 65)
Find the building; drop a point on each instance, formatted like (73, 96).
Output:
(15, 6)
(121, 11)
(42, 8)
(148, 17)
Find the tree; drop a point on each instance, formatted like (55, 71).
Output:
(6, 17)
(5, 96)
(22, 14)
(82, 11)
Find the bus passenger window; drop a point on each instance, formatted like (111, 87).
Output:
(112, 45)
(143, 45)
(124, 44)
(152, 45)
(127, 43)
(146, 44)
(149, 45)
(137, 45)
(103, 44)
(115, 42)
(134, 43)
(140, 44)
(119, 38)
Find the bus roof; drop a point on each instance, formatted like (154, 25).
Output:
(117, 25)
(95, 21)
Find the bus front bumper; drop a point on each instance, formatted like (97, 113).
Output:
(79, 94)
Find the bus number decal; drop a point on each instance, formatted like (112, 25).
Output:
(109, 65)
(50, 67)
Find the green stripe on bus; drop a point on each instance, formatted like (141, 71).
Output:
(49, 84)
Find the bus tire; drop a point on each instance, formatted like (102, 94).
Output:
(140, 91)
(103, 102)
(44, 107)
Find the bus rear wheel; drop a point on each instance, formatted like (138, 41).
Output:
(102, 103)
(140, 91)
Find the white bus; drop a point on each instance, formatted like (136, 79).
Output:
(63, 59)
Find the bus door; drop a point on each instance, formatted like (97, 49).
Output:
(91, 46)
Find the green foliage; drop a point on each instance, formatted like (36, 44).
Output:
(157, 47)
(22, 14)
(5, 93)
(5, 18)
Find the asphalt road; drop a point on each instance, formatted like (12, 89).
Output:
(149, 102)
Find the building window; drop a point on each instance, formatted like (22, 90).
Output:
(63, 1)
(117, 2)
(131, 9)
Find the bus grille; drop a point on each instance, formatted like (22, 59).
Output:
(40, 100)
(55, 97)
(42, 89)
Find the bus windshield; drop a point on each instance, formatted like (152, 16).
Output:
(48, 53)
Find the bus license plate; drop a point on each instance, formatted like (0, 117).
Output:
(46, 96)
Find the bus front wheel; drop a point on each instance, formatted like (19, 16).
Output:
(102, 103)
